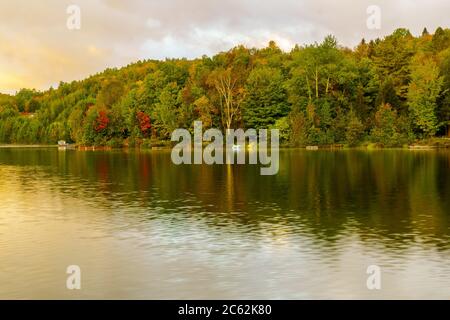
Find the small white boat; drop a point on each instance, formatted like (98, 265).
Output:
(62, 145)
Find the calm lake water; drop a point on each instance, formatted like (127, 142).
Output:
(140, 227)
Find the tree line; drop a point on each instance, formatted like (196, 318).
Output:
(390, 91)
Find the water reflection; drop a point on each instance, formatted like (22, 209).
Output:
(145, 228)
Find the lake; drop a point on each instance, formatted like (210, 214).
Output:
(140, 227)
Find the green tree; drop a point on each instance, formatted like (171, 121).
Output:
(300, 126)
(205, 111)
(265, 98)
(385, 130)
(388, 95)
(283, 125)
(443, 102)
(23, 98)
(423, 91)
(355, 129)
(112, 90)
(165, 111)
(392, 57)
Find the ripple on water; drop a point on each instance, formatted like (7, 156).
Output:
(142, 228)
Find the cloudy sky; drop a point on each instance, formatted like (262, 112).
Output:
(37, 49)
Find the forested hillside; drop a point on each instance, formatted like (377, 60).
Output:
(390, 91)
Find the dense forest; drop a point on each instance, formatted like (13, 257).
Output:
(389, 92)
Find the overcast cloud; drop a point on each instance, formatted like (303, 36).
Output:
(37, 50)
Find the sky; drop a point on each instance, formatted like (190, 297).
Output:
(38, 50)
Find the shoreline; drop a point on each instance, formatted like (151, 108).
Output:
(413, 147)
(30, 146)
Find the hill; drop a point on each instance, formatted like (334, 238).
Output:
(389, 91)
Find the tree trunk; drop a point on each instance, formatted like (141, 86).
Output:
(328, 84)
(309, 88)
(317, 84)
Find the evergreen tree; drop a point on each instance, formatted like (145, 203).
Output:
(265, 99)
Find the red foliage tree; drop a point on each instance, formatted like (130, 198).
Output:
(102, 121)
(144, 123)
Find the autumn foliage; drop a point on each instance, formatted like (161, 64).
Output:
(144, 123)
(318, 94)
(102, 121)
